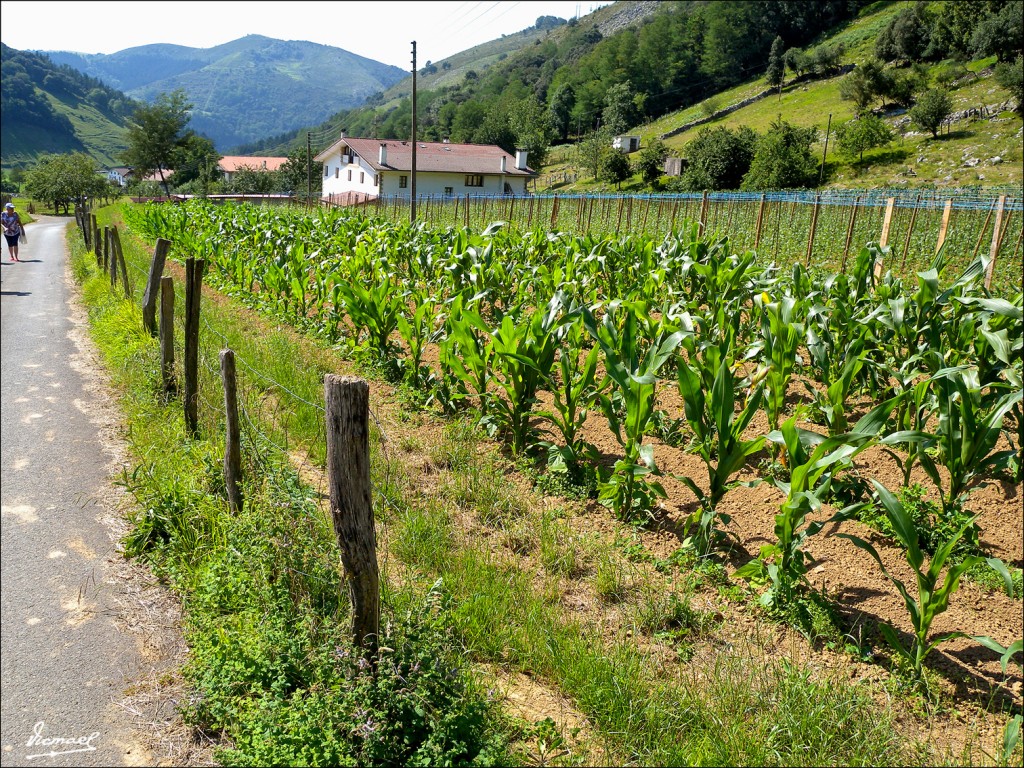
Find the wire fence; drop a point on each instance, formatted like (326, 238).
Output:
(816, 228)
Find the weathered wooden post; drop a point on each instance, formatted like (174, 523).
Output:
(193, 293)
(703, 223)
(910, 231)
(115, 241)
(760, 222)
(94, 227)
(347, 401)
(997, 236)
(944, 226)
(167, 337)
(814, 226)
(232, 448)
(109, 258)
(883, 239)
(849, 232)
(156, 270)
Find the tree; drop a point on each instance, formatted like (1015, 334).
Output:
(156, 133)
(866, 132)
(615, 168)
(65, 179)
(783, 159)
(254, 181)
(864, 84)
(931, 109)
(908, 36)
(293, 173)
(776, 65)
(195, 160)
(619, 111)
(592, 149)
(1011, 77)
(1000, 33)
(651, 160)
(562, 102)
(531, 126)
(718, 159)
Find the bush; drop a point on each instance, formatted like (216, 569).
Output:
(782, 159)
(718, 159)
(1011, 77)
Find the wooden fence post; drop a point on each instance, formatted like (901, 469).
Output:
(167, 336)
(996, 238)
(910, 231)
(814, 226)
(232, 449)
(944, 226)
(883, 240)
(347, 401)
(193, 293)
(156, 270)
(109, 258)
(115, 241)
(703, 223)
(760, 221)
(94, 227)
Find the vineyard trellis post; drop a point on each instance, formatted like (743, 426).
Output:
(153, 284)
(347, 401)
(232, 448)
(981, 234)
(883, 239)
(814, 226)
(703, 222)
(167, 336)
(760, 221)
(944, 226)
(997, 234)
(910, 231)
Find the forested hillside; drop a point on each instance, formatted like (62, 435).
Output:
(51, 108)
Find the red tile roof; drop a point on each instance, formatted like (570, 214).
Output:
(232, 163)
(430, 156)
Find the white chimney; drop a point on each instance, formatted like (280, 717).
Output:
(520, 159)
(343, 133)
(383, 153)
(503, 163)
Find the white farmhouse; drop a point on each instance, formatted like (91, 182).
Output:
(356, 170)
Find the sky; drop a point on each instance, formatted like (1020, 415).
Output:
(382, 31)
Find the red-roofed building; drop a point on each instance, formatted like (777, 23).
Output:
(231, 164)
(364, 169)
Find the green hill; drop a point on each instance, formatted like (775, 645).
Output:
(246, 89)
(48, 108)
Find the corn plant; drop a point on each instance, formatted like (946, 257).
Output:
(576, 392)
(417, 331)
(522, 362)
(780, 336)
(814, 460)
(966, 432)
(934, 588)
(465, 360)
(374, 309)
(633, 369)
(719, 438)
(830, 405)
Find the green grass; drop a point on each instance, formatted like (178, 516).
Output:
(266, 612)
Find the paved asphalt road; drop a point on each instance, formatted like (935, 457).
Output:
(64, 664)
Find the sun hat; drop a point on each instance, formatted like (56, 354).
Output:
(9, 205)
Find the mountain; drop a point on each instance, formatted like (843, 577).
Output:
(246, 89)
(48, 108)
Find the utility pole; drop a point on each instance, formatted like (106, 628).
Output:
(412, 190)
(309, 169)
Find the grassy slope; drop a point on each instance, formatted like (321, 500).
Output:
(934, 162)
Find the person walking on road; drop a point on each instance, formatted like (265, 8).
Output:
(12, 229)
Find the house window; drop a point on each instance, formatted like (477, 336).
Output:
(350, 175)
(337, 172)
(403, 182)
(327, 171)
(449, 191)
(474, 180)
(362, 177)
(376, 180)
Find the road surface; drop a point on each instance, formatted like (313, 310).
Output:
(66, 667)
